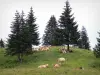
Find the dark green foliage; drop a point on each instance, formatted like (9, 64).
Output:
(24, 42)
(59, 37)
(33, 35)
(13, 46)
(23, 35)
(69, 26)
(50, 38)
(97, 48)
(2, 45)
(84, 40)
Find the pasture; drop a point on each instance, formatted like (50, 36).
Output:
(78, 58)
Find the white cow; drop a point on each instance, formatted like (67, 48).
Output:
(35, 48)
(61, 59)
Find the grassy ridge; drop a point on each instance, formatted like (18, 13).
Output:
(79, 58)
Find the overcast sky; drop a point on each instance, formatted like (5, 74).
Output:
(86, 13)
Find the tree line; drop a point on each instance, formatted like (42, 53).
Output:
(24, 33)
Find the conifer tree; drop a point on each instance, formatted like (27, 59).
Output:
(23, 35)
(69, 26)
(24, 44)
(84, 40)
(13, 45)
(97, 47)
(18, 44)
(33, 35)
(49, 38)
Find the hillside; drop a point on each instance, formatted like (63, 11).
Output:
(79, 58)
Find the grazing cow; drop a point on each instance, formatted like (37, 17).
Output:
(62, 50)
(43, 66)
(35, 48)
(44, 48)
(56, 65)
(61, 60)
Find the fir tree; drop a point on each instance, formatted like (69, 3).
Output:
(69, 26)
(2, 43)
(18, 44)
(23, 35)
(13, 46)
(33, 35)
(49, 38)
(97, 47)
(84, 40)
(24, 44)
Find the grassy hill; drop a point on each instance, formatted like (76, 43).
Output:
(79, 58)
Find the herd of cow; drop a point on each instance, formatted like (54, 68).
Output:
(40, 48)
(57, 65)
(46, 48)
(63, 49)
(60, 60)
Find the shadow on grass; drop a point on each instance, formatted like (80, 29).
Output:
(11, 62)
(95, 64)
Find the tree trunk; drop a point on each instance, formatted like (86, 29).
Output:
(20, 58)
(30, 47)
(68, 42)
(68, 47)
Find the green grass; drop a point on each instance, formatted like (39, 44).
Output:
(79, 58)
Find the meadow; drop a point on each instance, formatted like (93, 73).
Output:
(78, 58)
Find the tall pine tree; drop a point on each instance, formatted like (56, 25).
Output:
(69, 26)
(24, 44)
(2, 44)
(97, 47)
(33, 35)
(49, 38)
(13, 46)
(84, 40)
(18, 44)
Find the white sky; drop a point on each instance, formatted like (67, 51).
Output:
(86, 13)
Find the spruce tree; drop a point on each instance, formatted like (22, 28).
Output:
(69, 26)
(2, 43)
(33, 35)
(84, 40)
(24, 44)
(49, 38)
(13, 45)
(97, 47)
(18, 44)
